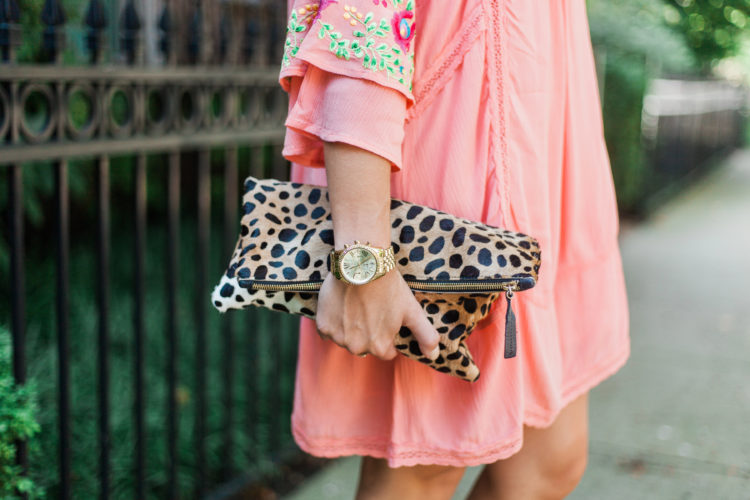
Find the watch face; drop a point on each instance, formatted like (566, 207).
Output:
(358, 265)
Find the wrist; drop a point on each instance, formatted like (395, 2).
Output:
(371, 238)
(362, 227)
(359, 189)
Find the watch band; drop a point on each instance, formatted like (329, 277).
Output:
(389, 259)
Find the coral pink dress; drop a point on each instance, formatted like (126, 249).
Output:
(487, 109)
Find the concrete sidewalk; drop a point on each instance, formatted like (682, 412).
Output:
(674, 423)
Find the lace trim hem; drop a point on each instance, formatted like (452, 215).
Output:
(398, 456)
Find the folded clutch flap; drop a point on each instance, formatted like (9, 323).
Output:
(286, 236)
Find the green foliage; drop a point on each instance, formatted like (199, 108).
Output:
(713, 29)
(30, 49)
(624, 88)
(681, 34)
(638, 27)
(18, 409)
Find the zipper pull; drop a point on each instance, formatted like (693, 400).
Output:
(510, 327)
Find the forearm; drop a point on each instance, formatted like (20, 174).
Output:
(367, 318)
(359, 192)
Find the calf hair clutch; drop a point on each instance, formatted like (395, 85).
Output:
(455, 267)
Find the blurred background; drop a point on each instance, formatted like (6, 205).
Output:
(126, 129)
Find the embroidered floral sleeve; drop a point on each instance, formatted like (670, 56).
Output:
(371, 39)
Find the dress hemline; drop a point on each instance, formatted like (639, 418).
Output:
(421, 455)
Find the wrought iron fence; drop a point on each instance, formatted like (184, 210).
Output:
(208, 107)
(687, 122)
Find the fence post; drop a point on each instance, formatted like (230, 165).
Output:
(139, 246)
(18, 291)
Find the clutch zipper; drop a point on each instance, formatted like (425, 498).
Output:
(507, 285)
(502, 284)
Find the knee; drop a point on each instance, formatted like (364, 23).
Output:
(563, 468)
(430, 481)
(377, 480)
(438, 477)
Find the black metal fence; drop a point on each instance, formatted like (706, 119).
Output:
(687, 122)
(132, 139)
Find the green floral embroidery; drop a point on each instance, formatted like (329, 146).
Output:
(371, 41)
(293, 40)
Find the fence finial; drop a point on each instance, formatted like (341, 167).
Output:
(96, 20)
(53, 16)
(166, 28)
(250, 39)
(195, 35)
(130, 23)
(9, 31)
(225, 34)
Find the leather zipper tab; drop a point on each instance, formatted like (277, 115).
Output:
(510, 328)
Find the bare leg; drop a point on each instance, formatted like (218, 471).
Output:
(378, 481)
(549, 465)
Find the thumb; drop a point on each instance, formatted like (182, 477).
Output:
(423, 331)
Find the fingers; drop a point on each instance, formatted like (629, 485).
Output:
(423, 331)
(359, 332)
(338, 338)
(326, 333)
(383, 349)
(320, 334)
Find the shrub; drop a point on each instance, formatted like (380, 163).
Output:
(17, 422)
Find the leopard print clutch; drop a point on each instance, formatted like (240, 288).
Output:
(455, 267)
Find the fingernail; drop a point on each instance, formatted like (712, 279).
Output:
(435, 353)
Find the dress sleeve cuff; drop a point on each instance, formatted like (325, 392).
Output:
(327, 107)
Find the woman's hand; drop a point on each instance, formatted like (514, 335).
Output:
(366, 318)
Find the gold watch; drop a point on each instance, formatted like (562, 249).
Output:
(359, 263)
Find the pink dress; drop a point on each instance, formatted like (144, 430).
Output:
(487, 109)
